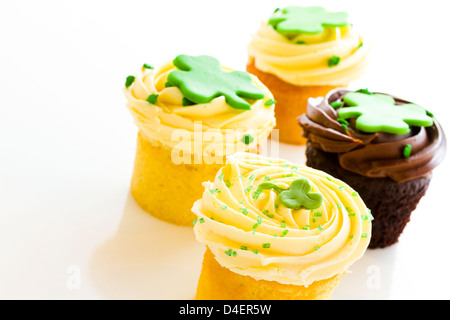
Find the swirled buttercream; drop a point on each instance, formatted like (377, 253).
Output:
(251, 233)
(166, 120)
(307, 63)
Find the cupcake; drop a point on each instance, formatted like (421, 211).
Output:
(302, 52)
(191, 113)
(277, 230)
(383, 146)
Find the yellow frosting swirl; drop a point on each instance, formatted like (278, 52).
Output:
(221, 127)
(307, 64)
(251, 233)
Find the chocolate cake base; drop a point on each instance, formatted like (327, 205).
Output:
(391, 203)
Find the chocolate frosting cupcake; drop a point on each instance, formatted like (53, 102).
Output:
(373, 155)
(389, 165)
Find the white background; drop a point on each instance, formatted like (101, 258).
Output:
(67, 143)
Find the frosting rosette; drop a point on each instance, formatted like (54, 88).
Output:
(273, 220)
(164, 114)
(333, 55)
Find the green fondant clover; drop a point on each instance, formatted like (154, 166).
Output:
(270, 185)
(201, 79)
(379, 113)
(298, 195)
(294, 20)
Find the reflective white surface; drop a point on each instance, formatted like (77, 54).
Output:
(69, 228)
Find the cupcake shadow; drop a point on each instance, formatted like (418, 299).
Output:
(146, 259)
(370, 278)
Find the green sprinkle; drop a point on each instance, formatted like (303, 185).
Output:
(231, 252)
(317, 214)
(212, 191)
(288, 175)
(364, 217)
(247, 139)
(285, 165)
(360, 44)
(248, 189)
(429, 113)
(364, 235)
(220, 177)
(341, 188)
(147, 66)
(365, 91)
(129, 81)
(252, 177)
(283, 224)
(224, 207)
(201, 220)
(228, 183)
(316, 248)
(355, 194)
(266, 245)
(344, 123)
(294, 167)
(152, 98)
(351, 214)
(369, 213)
(334, 61)
(244, 211)
(256, 194)
(259, 220)
(319, 227)
(339, 206)
(267, 178)
(195, 221)
(285, 232)
(351, 236)
(276, 205)
(337, 104)
(269, 102)
(243, 248)
(407, 151)
(255, 251)
(300, 42)
(255, 226)
(266, 212)
(328, 178)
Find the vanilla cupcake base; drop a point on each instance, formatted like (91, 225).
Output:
(219, 283)
(164, 189)
(291, 102)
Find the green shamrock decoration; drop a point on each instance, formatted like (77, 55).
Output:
(270, 185)
(297, 196)
(294, 20)
(201, 79)
(379, 113)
